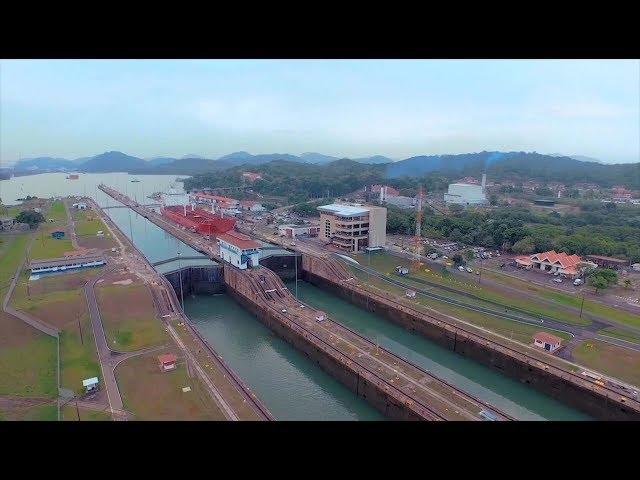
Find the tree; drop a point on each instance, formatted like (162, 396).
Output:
(602, 278)
(598, 283)
(456, 209)
(30, 217)
(457, 259)
(469, 255)
(526, 245)
(543, 192)
(493, 199)
(627, 283)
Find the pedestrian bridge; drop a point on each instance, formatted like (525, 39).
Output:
(125, 206)
(175, 259)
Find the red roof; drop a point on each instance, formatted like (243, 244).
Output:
(238, 239)
(167, 358)
(547, 338)
(567, 262)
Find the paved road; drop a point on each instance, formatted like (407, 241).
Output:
(107, 358)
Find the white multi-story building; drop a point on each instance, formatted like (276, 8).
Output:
(466, 193)
(239, 250)
(353, 227)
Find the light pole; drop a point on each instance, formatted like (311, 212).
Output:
(180, 271)
(295, 261)
(581, 306)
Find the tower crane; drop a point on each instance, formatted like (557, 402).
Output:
(418, 234)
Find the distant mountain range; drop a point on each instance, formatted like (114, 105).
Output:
(519, 165)
(117, 161)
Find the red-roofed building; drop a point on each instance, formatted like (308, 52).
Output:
(552, 261)
(167, 361)
(621, 194)
(238, 249)
(546, 341)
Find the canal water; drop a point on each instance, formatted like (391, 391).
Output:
(519, 400)
(46, 185)
(287, 382)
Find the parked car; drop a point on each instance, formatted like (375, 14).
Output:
(469, 270)
(461, 268)
(557, 280)
(577, 282)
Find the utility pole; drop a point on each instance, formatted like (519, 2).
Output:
(581, 306)
(180, 270)
(295, 261)
(80, 330)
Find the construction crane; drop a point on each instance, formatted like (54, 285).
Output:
(418, 235)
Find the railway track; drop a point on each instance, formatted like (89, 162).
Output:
(340, 272)
(273, 290)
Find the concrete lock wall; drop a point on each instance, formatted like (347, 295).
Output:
(197, 280)
(384, 402)
(283, 266)
(560, 387)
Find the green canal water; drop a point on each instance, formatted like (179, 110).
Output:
(519, 400)
(290, 385)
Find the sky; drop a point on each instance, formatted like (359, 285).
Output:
(344, 108)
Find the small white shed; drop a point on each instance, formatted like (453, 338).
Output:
(90, 384)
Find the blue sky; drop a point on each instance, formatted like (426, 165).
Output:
(397, 108)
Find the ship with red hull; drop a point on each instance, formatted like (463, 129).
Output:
(199, 220)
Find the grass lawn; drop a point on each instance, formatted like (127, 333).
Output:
(610, 359)
(620, 333)
(154, 395)
(88, 222)
(69, 413)
(517, 331)
(386, 263)
(128, 316)
(57, 212)
(595, 308)
(28, 358)
(47, 412)
(11, 255)
(44, 246)
(10, 211)
(59, 300)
